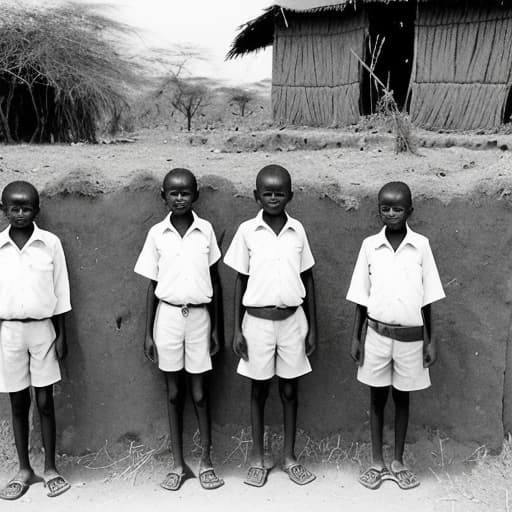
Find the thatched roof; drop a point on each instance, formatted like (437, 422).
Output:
(258, 33)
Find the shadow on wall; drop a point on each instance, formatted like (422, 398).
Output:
(109, 388)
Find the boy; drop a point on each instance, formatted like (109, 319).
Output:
(394, 283)
(272, 257)
(34, 295)
(179, 257)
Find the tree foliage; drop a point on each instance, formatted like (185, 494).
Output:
(242, 98)
(60, 74)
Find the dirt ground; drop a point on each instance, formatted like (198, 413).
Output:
(360, 165)
(454, 477)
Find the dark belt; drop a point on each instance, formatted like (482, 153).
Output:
(397, 332)
(184, 307)
(22, 319)
(272, 312)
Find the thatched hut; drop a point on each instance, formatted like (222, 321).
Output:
(448, 62)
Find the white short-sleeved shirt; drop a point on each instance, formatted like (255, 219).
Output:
(272, 262)
(181, 266)
(34, 281)
(394, 286)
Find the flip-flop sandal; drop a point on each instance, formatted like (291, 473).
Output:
(209, 479)
(57, 485)
(256, 476)
(372, 478)
(173, 481)
(299, 474)
(405, 479)
(14, 489)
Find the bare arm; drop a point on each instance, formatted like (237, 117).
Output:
(309, 306)
(239, 342)
(214, 310)
(151, 304)
(61, 346)
(357, 346)
(429, 343)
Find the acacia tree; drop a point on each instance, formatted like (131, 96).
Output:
(188, 97)
(241, 97)
(60, 74)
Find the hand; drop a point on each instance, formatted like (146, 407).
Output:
(310, 342)
(61, 347)
(357, 352)
(429, 354)
(214, 342)
(240, 345)
(150, 349)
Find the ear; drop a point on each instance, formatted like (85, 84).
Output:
(291, 195)
(196, 196)
(409, 213)
(162, 193)
(256, 195)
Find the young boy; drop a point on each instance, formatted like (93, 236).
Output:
(179, 257)
(394, 283)
(271, 334)
(34, 295)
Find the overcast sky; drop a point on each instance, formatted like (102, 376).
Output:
(211, 24)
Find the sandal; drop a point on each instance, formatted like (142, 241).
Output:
(404, 478)
(57, 485)
(14, 489)
(256, 476)
(372, 478)
(299, 474)
(173, 481)
(209, 479)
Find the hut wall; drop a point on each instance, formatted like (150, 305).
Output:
(463, 61)
(316, 79)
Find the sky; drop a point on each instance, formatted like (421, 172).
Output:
(209, 24)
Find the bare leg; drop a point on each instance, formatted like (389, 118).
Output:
(288, 394)
(401, 399)
(378, 399)
(259, 395)
(20, 406)
(201, 406)
(45, 406)
(175, 401)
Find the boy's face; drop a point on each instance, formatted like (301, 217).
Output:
(20, 208)
(394, 209)
(273, 193)
(179, 193)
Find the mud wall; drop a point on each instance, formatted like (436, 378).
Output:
(109, 389)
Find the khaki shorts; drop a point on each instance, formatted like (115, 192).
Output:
(182, 342)
(27, 355)
(389, 362)
(275, 347)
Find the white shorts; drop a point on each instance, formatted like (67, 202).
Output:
(182, 342)
(27, 355)
(275, 347)
(389, 362)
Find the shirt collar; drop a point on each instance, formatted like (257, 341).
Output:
(290, 223)
(197, 223)
(37, 234)
(411, 238)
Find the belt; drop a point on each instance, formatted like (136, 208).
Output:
(272, 312)
(22, 319)
(397, 332)
(184, 307)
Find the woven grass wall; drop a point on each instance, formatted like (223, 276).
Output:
(316, 79)
(462, 73)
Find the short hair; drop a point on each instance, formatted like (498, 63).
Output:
(17, 187)
(179, 171)
(274, 170)
(397, 186)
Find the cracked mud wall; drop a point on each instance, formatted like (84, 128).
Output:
(109, 389)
